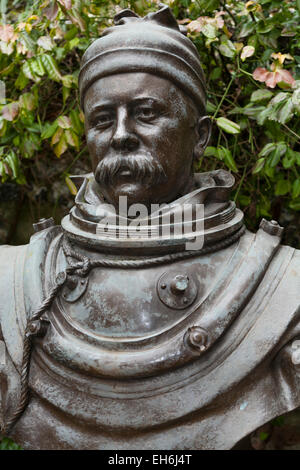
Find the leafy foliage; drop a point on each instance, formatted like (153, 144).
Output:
(250, 53)
(8, 444)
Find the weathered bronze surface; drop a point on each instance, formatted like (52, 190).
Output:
(114, 339)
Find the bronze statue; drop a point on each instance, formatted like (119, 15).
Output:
(151, 319)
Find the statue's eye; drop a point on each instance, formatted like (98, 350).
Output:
(145, 113)
(103, 120)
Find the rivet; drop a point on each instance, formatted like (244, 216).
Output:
(163, 286)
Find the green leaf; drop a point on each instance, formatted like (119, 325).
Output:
(21, 81)
(260, 95)
(68, 80)
(71, 33)
(296, 99)
(72, 138)
(244, 200)
(297, 155)
(13, 162)
(49, 130)
(29, 72)
(61, 146)
(267, 149)
(282, 187)
(28, 101)
(289, 159)
(229, 161)
(37, 66)
(64, 122)
(228, 126)
(259, 165)
(77, 124)
(210, 107)
(208, 5)
(216, 73)
(209, 31)
(295, 206)
(51, 67)
(296, 188)
(286, 112)
(227, 49)
(275, 155)
(211, 152)
(71, 186)
(45, 42)
(73, 43)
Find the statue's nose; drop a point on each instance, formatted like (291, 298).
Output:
(123, 137)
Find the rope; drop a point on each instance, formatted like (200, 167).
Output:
(82, 268)
(87, 265)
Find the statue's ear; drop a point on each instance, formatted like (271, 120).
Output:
(203, 129)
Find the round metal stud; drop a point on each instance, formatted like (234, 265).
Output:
(177, 290)
(271, 227)
(73, 291)
(197, 339)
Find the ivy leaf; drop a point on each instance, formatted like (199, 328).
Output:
(28, 101)
(29, 72)
(275, 155)
(49, 130)
(228, 126)
(261, 95)
(37, 66)
(51, 67)
(10, 111)
(68, 80)
(56, 136)
(211, 152)
(282, 187)
(295, 206)
(21, 81)
(259, 165)
(227, 49)
(267, 149)
(286, 112)
(229, 161)
(45, 42)
(296, 188)
(71, 186)
(13, 163)
(296, 99)
(77, 124)
(72, 138)
(61, 146)
(209, 31)
(289, 159)
(64, 122)
(247, 51)
(297, 155)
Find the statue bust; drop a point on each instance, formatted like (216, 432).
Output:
(151, 318)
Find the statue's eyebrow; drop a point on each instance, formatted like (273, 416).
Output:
(146, 100)
(96, 109)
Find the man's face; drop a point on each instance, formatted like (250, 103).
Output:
(141, 132)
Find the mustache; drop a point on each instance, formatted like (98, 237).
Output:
(142, 167)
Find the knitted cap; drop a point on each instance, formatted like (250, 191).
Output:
(153, 44)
